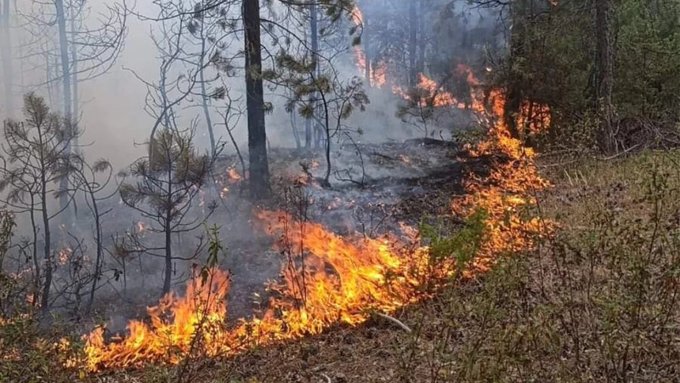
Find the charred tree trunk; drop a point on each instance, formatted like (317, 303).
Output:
(47, 284)
(167, 280)
(100, 248)
(257, 136)
(412, 43)
(6, 53)
(604, 78)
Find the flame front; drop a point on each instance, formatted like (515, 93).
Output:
(340, 281)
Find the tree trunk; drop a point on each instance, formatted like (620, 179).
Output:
(420, 64)
(45, 296)
(514, 88)
(314, 31)
(204, 93)
(36, 261)
(73, 70)
(604, 67)
(412, 43)
(65, 60)
(257, 136)
(66, 88)
(167, 227)
(167, 281)
(206, 113)
(6, 54)
(100, 248)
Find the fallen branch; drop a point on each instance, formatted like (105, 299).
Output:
(395, 321)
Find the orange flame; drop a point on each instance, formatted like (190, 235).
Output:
(378, 71)
(163, 339)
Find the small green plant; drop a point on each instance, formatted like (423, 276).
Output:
(462, 245)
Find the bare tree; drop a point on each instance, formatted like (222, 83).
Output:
(80, 52)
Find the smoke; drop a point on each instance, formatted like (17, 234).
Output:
(117, 125)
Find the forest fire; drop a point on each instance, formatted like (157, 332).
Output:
(328, 279)
(64, 255)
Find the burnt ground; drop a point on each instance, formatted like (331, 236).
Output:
(404, 183)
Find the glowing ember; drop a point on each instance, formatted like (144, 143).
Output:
(379, 75)
(224, 192)
(233, 175)
(64, 255)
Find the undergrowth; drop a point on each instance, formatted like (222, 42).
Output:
(598, 302)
